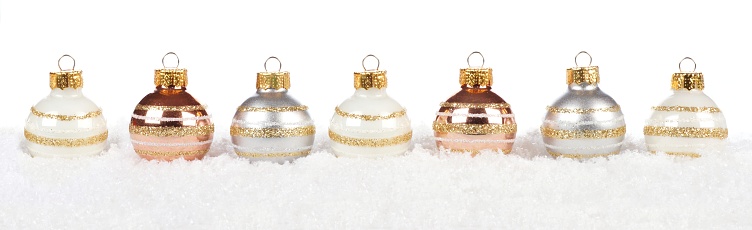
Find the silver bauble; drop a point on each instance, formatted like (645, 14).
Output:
(271, 125)
(585, 122)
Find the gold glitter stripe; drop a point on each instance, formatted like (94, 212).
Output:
(691, 132)
(170, 154)
(687, 109)
(369, 117)
(161, 131)
(65, 117)
(474, 152)
(475, 105)
(581, 156)
(270, 155)
(578, 134)
(474, 129)
(272, 109)
(170, 108)
(61, 142)
(367, 142)
(272, 132)
(552, 109)
(683, 154)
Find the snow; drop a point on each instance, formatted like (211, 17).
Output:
(422, 190)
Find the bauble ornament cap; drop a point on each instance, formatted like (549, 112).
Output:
(476, 76)
(687, 80)
(69, 78)
(171, 77)
(273, 80)
(370, 78)
(588, 74)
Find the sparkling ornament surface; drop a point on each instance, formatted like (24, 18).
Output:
(585, 122)
(169, 123)
(271, 125)
(475, 118)
(65, 124)
(370, 124)
(688, 122)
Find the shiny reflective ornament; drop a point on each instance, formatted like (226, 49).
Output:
(271, 125)
(370, 123)
(475, 118)
(169, 123)
(66, 123)
(688, 122)
(585, 122)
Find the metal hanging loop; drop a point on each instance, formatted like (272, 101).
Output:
(483, 63)
(693, 62)
(61, 58)
(278, 61)
(583, 52)
(176, 57)
(363, 62)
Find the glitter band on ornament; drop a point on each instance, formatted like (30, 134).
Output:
(474, 141)
(683, 154)
(369, 117)
(552, 109)
(65, 142)
(687, 109)
(181, 108)
(656, 122)
(475, 151)
(475, 105)
(586, 134)
(271, 149)
(475, 129)
(172, 131)
(371, 142)
(586, 147)
(162, 144)
(270, 155)
(272, 132)
(171, 153)
(65, 117)
(581, 156)
(272, 109)
(136, 116)
(577, 124)
(445, 114)
(270, 123)
(690, 132)
(343, 128)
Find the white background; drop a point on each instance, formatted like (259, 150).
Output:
(422, 45)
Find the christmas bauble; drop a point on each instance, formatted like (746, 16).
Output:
(370, 123)
(585, 122)
(688, 122)
(66, 123)
(169, 123)
(271, 125)
(475, 118)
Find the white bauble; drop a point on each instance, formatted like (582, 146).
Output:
(65, 124)
(688, 122)
(370, 124)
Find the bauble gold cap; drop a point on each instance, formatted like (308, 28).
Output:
(476, 77)
(370, 78)
(687, 80)
(171, 77)
(66, 78)
(588, 74)
(273, 80)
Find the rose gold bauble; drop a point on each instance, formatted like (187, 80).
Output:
(475, 118)
(169, 123)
